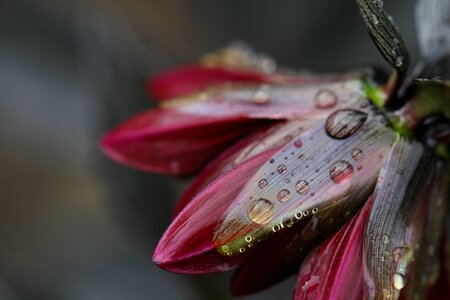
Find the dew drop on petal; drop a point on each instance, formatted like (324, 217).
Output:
(261, 95)
(298, 143)
(302, 187)
(272, 160)
(399, 61)
(261, 211)
(311, 284)
(341, 171)
(262, 183)
(325, 99)
(357, 154)
(398, 280)
(281, 169)
(284, 195)
(344, 122)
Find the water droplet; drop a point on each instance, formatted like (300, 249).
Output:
(386, 293)
(341, 171)
(399, 61)
(284, 195)
(317, 170)
(344, 122)
(386, 239)
(312, 194)
(311, 283)
(262, 183)
(302, 187)
(261, 95)
(242, 250)
(281, 169)
(248, 238)
(315, 210)
(272, 160)
(359, 168)
(261, 211)
(398, 280)
(357, 154)
(298, 143)
(325, 99)
(375, 19)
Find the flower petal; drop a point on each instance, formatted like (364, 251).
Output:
(270, 137)
(189, 132)
(334, 164)
(186, 246)
(334, 270)
(190, 79)
(429, 230)
(172, 142)
(398, 226)
(278, 102)
(288, 248)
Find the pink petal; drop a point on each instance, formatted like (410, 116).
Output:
(321, 168)
(189, 79)
(335, 269)
(270, 137)
(291, 245)
(172, 142)
(186, 246)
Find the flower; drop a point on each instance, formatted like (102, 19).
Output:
(299, 173)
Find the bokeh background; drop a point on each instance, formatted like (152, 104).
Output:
(75, 226)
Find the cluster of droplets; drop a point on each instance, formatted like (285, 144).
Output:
(339, 125)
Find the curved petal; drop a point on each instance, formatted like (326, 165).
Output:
(335, 164)
(190, 79)
(172, 142)
(186, 246)
(288, 248)
(334, 270)
(403, 225)
(189, 132)
(273, 136)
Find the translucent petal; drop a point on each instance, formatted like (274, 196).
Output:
(398, 226)
(312, 174)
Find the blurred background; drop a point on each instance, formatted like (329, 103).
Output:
(75, 226)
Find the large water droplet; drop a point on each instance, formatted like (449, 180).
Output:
(398, 280)
(302, 187)
(261, 211)
(262, 183)
(281, 169)
(399, 61)
(357, 154)
(341, 171)
(344, 122)
(284, 195)
(325, 99)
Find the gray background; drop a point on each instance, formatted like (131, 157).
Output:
(75, 226)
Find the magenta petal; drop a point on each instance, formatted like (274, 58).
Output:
(189, 79)
(335, 269)
(173, 142)
(186, 246)
(267, 138)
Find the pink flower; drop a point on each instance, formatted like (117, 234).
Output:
(323, 176)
